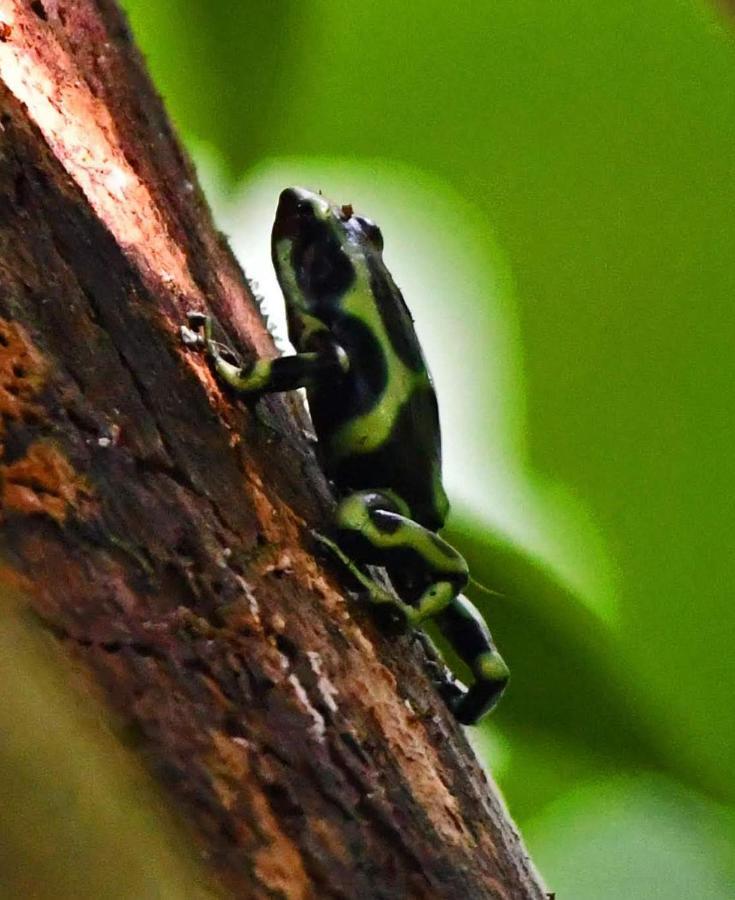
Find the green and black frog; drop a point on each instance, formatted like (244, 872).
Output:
(375, 415)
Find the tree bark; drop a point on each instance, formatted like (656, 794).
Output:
(159, 529)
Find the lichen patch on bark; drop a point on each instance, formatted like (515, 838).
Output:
(43, 482)
(276, 860)
(23, 370)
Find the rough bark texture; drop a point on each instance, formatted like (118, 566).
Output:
(161, 529)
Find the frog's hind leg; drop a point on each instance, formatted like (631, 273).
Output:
(373, 527)
(465, 629)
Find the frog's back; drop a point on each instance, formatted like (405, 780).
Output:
(379, 426)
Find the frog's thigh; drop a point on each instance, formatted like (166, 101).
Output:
(374, 526)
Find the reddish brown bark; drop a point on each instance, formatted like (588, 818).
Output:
(162, 529)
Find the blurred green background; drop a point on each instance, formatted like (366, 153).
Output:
(555, 185)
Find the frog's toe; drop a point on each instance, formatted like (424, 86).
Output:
(452, 692)
(190, 338)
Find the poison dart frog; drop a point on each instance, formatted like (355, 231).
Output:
(375, 415)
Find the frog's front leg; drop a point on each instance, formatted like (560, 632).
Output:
(265, 376)
(374, 528)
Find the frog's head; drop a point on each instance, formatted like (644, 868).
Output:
(319, 250)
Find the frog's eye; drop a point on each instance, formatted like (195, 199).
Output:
(304, 208)
(372, 233)
(326, 270)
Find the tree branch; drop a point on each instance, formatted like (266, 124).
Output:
(161, 531)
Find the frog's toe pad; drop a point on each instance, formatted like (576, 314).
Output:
(196, 319)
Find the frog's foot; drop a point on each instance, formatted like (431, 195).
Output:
(377, 593)
(198, 335)
(198, 331)
(401, 613)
